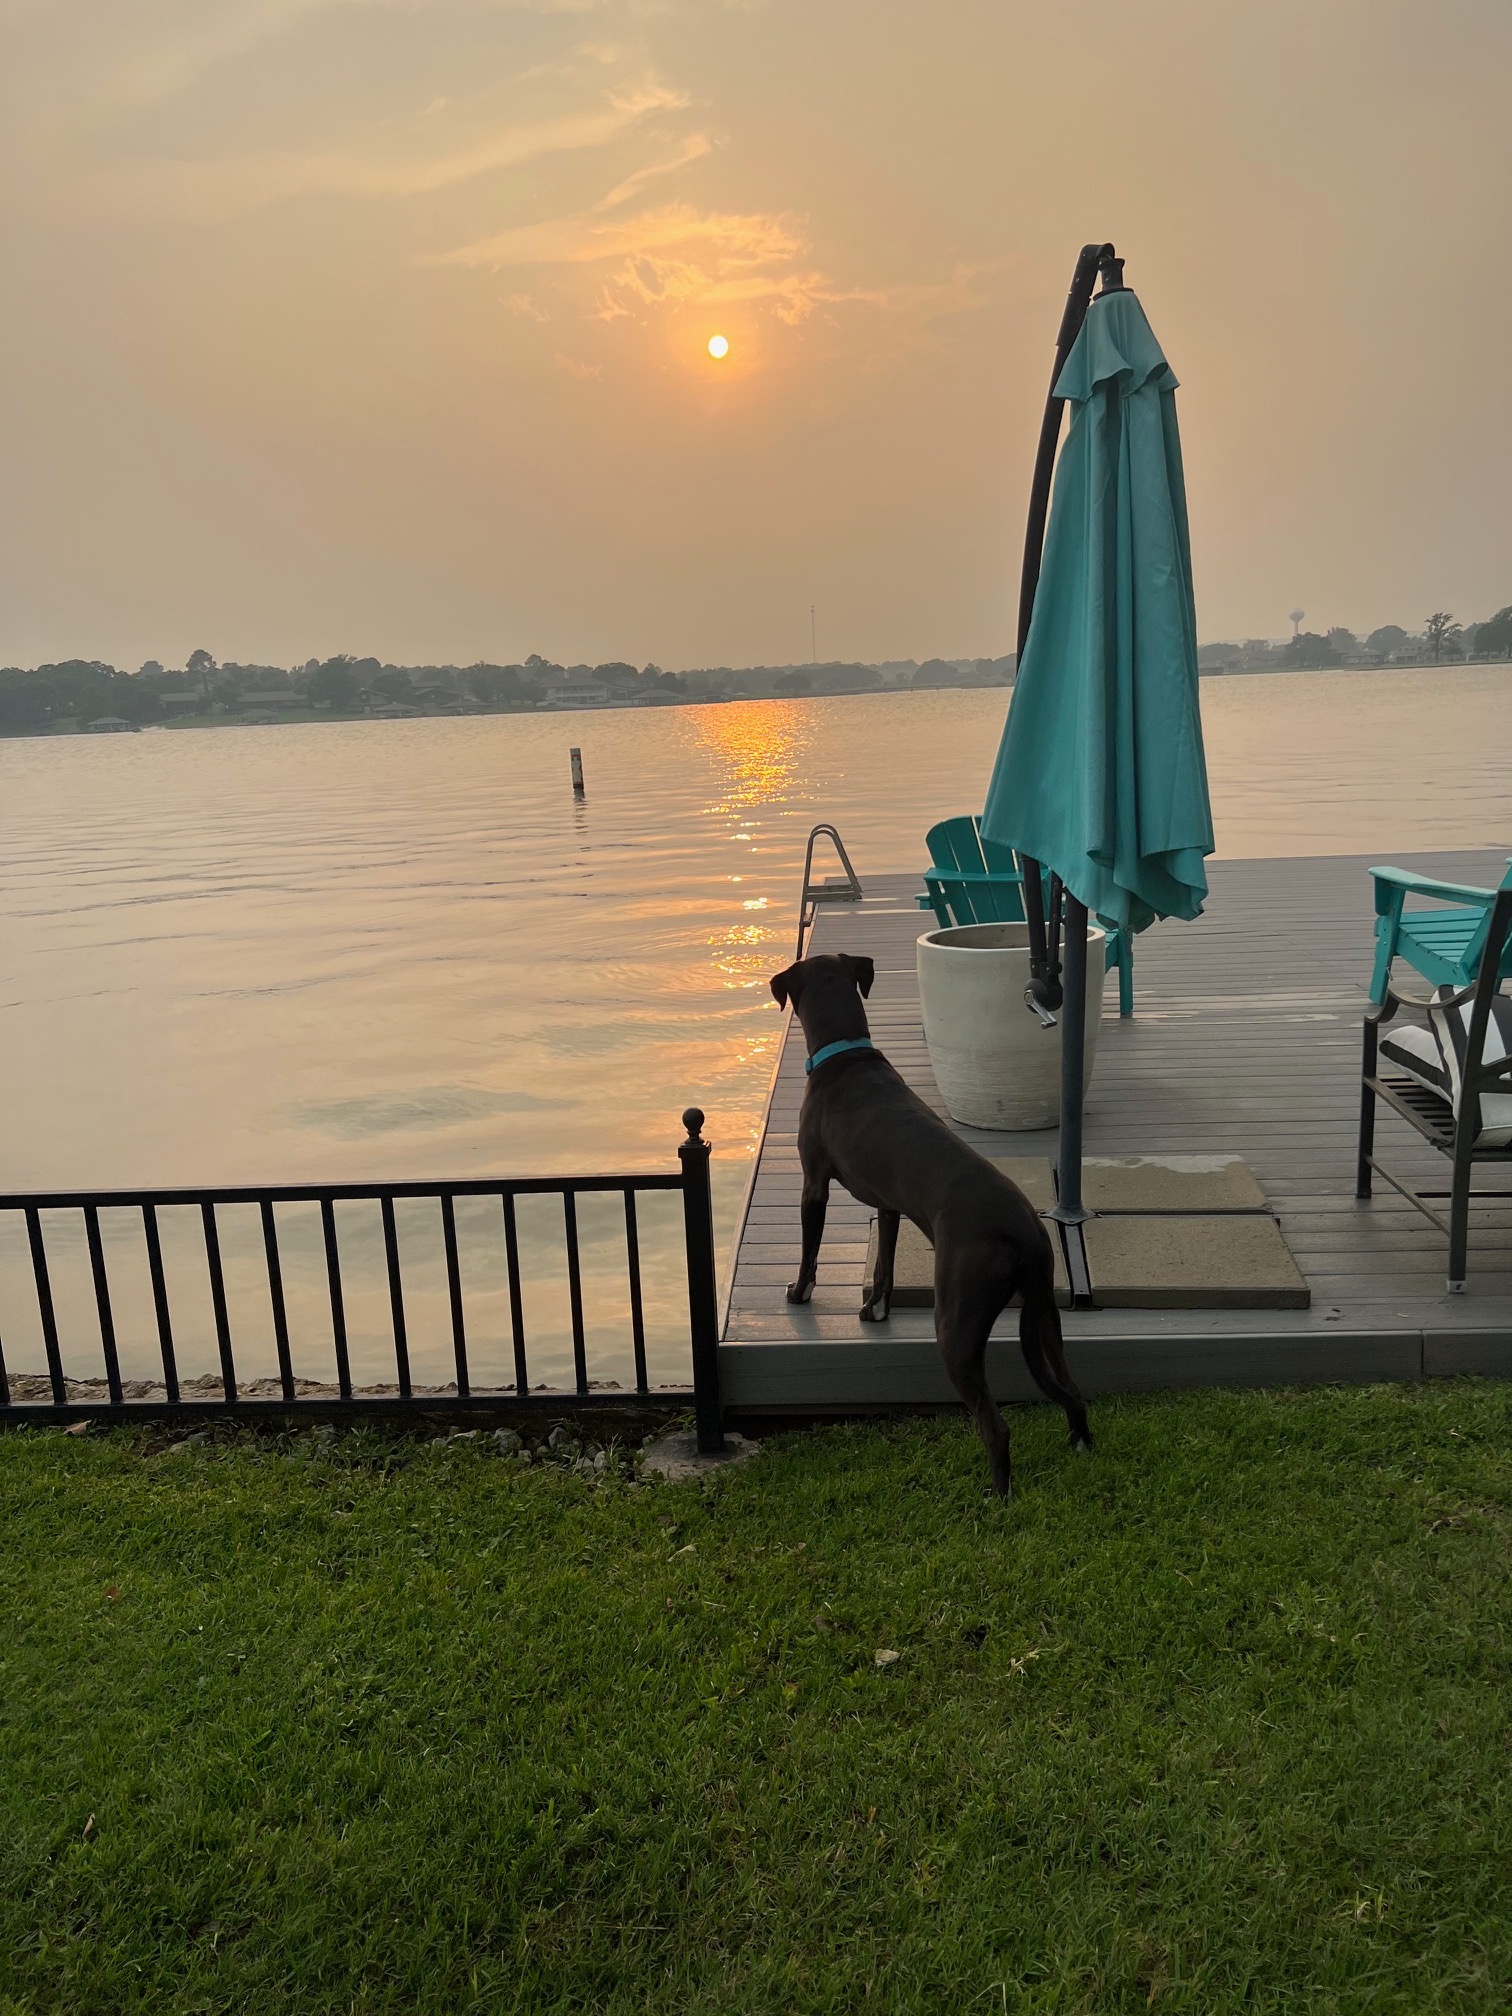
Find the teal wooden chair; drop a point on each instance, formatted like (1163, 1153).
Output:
(1451, 1081)
(1444, 945)
(973, 880)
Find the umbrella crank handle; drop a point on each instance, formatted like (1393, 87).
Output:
(1036, 1006)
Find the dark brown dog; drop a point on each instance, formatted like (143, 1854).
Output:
(861, 1126)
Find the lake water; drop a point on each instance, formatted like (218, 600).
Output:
(403, 948)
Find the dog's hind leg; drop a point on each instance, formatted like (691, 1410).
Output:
(1045, 1356)
(963, 1326)
(812, 1208)
(879, 1291)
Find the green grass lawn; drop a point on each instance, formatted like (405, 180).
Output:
(1216, 1721)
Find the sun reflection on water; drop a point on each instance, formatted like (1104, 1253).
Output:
(760, 747)
(757, 752)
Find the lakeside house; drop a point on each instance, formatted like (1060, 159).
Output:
(579, 686)
(109, 724)
(276, 699)
(440, 700)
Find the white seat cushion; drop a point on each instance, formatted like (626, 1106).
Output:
(1435, 1057)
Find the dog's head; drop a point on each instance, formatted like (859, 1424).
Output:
(827, 989)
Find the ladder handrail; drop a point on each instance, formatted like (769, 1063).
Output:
(809, 903)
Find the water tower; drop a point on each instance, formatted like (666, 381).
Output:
(1295, 619)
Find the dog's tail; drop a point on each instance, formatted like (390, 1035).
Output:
(1045, 1355)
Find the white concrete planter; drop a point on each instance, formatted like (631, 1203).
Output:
(994, 1063)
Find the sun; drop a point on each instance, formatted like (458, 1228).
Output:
(719, 346)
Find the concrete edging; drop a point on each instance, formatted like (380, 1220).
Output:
(909, 1372)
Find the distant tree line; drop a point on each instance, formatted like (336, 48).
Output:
(1440, 641)
(82, 693)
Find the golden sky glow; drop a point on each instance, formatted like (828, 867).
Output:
(383, 325)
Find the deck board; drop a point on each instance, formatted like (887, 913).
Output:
(1245, 1040)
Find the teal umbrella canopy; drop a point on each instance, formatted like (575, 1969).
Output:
(1101, 774)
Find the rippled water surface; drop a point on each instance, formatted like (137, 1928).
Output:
(402, 948)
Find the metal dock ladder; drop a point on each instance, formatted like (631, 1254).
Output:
(844, 888)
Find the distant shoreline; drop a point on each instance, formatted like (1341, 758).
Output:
(306, 716)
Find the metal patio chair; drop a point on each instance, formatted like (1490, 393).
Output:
(973, 880)
(1442, 1077)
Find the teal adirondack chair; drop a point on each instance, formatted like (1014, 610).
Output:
(1444, 944)
(971, 880)
(1463, 947)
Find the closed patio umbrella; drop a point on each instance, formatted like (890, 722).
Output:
(1100, 775)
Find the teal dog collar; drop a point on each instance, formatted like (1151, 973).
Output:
(834, 1049)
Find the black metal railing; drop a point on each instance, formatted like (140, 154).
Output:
(691, 1180)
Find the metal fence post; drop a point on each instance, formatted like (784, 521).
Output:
(703, 1293)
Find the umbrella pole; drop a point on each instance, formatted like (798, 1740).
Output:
(1070, 1213)
(1044, 991)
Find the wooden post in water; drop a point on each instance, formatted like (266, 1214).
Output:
(577, 770)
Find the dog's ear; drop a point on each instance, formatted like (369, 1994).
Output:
(787, 985)
(861, 970)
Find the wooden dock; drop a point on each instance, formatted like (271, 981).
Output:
(1245, 1040)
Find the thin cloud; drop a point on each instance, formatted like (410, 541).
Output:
(651, 281)
(576, 368)
(214, 191)
(171, 66)
(678, 254)
(794, 296)
(223, 32)
(587, 239)
(692, 149)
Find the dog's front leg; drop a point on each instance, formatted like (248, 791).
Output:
(815, 1203)
(879, 1293)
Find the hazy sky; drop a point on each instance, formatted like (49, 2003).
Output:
(380, 325)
